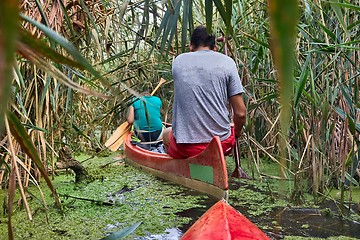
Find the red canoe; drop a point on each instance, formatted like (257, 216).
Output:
(223, 222)
(205, 172)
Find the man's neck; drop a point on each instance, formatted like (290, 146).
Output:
(200, 48)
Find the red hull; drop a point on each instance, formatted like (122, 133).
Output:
(223, 222)
(206, 170)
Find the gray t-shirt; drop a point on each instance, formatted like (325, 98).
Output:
(203, 82)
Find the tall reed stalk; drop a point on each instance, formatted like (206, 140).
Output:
(65, 67)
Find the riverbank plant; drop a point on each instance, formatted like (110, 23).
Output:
(69, 68)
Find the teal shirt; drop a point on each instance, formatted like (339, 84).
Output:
(147, 113)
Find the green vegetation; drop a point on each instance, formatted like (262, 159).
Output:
(121, 196)
(145, 199)
(69, 68)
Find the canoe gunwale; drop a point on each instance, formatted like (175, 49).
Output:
(187, 182)
(180, 170)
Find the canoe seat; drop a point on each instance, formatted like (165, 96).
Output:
(154, 146)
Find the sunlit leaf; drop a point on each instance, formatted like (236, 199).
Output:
(123, 233)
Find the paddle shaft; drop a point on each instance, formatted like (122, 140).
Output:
(157, 87)
(238, 171)
(237, 154)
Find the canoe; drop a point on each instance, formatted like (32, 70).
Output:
(205, 172)
(223, 222)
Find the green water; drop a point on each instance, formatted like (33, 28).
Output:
(151, 201)
(160, 205)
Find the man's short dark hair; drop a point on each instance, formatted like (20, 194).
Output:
(200, 37)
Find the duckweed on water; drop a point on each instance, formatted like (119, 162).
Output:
(145, 199)
(261, 202)
(256, 204)
(120, 196)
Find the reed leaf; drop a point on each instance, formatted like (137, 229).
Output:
(348, 99)
(173, 27)
(328, 32)
(339, 15)
(28, 147)
(67, 20)
(345, 5)
(40, 48)
(56, 73)
(162, 28)
(11, 196)
(302, 80)
(209, 15)
(351, 179)
(43, 16)
(283, 20)
(123, 233)
(185, 23)
(69, 47)
(16, 169)
(352, 126)
(228, 8)
(171, 24)
(90, 16)
(8, 34)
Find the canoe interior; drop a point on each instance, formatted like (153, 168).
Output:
(205, 172)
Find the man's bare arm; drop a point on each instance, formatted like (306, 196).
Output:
(131, 115)
(239, 113)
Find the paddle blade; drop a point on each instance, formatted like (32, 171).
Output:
(118, 137)
(116, 145)
(240, 173)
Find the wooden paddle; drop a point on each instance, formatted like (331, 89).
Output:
(238, 171)
(118, 137)
(162, 81)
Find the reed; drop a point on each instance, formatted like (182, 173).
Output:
(63, 80)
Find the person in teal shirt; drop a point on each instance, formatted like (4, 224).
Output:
(145, 114)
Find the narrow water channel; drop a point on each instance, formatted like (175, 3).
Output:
(166, 210)
(321, 222)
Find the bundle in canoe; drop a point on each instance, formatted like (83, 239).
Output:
(205, 172)
(223, 222)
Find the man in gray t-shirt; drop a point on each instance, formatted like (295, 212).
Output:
(205, 82)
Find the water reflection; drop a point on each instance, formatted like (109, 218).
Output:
(170, 234)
